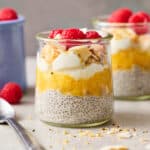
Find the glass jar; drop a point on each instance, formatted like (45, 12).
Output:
(74, 82)
(130, 47)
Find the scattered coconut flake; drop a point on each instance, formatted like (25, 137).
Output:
(65, 141)
(50, 129)
(98, 135)
(125, 135)
(146, 131)
(104, 129)
(115, 147)
(66, 132)
(113, 131)
(86, 133)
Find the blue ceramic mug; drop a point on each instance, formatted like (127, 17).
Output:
(12, 57)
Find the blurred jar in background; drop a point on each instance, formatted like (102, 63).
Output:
(12, 58)
(130, 49)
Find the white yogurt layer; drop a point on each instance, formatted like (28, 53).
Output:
(120, 44)
(85, 73)
(41, 63)
(66, 61)
(123, 38)
(144, 42)
(125, 43)
(69, 64)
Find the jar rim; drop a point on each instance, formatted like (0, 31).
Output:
(20, 19)
(102, 21)
(105, 37)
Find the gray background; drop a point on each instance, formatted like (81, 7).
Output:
(47, 14)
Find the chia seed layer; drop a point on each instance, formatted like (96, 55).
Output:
(52, 106)
(133, 82)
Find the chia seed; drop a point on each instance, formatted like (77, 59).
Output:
(133, 82)
(52, 106)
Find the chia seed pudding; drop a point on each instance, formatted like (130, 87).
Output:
(54, 107)
(74, 80)
(134, 82)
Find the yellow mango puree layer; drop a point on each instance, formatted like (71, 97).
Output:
(99, 84)
(125, 59)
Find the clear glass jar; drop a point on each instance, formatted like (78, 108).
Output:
(74, 82)
(130, 47)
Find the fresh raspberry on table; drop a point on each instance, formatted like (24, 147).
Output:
(55, 32)
(120, 15)
(92, 35)
(11, 92)
(8, 14)
(72, 33)
(140, 17)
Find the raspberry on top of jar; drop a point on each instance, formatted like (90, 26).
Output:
(130, 39)
(71, 60)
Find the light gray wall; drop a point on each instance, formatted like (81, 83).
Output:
(46, 14)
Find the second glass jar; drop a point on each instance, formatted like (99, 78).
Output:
(130, 49)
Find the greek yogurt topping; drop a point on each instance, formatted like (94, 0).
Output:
(85, 73)
(121, 44)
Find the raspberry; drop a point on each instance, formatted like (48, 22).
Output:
(120, 15)
(12, 92)
(92, 35)
(8, 14)
(140, 17)
(72, 33)
(54, 32)
(146, 15)
(136, 18)
(141, 30)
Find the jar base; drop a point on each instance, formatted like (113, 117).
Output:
(133, 98)
(83, 125)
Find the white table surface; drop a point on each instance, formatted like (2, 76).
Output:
(127, 114)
